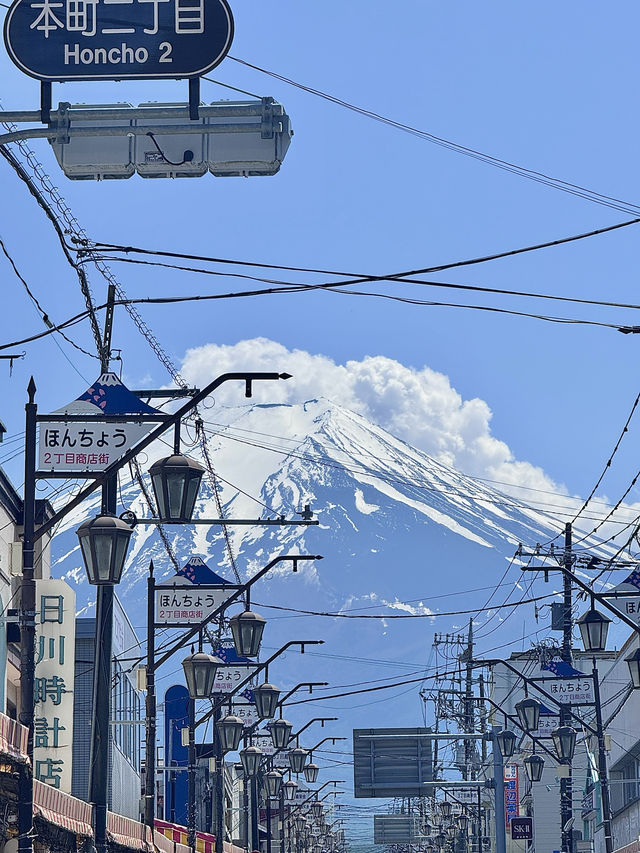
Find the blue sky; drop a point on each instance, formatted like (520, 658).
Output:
(551, 88)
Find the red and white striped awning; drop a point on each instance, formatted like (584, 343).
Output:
(13, 739)
(61, 809)
(129, 833)
(634, 847)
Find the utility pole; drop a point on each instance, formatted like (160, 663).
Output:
(469, 713)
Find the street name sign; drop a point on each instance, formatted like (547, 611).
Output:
(84, 447)
(58, 40)
(629, 602)
(189, 604)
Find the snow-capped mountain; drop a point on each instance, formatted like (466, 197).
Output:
(397, 531)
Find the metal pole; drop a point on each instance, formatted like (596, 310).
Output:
(218, 783)
(281, 819)
(268, 799)
(602, 765)
(479, 823)
(498, 789)
(566, 791)
(191, 788)
(150, 702)
(28, 625)
(255, 830)
(99, 765)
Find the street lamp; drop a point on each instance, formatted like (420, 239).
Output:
(528, 711)
(250, 757)
(176, 480)
(299, 822)
(311, 771)
(445, 808)
(594, 627)
(633, 662)
(266, 698)
(280, 731)
(247, 629)
(564, 740)
(104, 540)
(200, 674)
(290, 789)
(506, 743)
(230, 730)
(273, 782)
(297, 759)
(534, 765)
(317, 809)
(463, 822)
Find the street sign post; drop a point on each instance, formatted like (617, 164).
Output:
(60, 40)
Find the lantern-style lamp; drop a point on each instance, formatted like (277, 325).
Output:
(445, 808)
(633, 662)
(247, 629)
(176, 480)
(200, 674)
(104, 541)
(316, 809)
(297, 759)
(230, 729)
(506, 743)
(463, 822)
(534, 765)
(280, 731)
(299, 822)
(564, 740)
(528, 711)
(290, 789)
(311, 771)
(266, 698)
(250, 757)
(273, 783)
(594, 627)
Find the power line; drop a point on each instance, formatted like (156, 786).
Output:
(521, 171)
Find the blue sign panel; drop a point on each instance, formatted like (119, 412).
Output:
(57, 40)
(176, 718)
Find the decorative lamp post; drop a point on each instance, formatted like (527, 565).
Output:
(594, 627)
(534, 765)
(290, 789)
(564, 740)
(176, 480)
(247, 629)
(104, 541)
(280, 731)
(230, 729)
(250, 757)
(633, 662)
(200, 674)
(273, 783)
(266, 698)
(506, 743)
(528, 711)
(311, 771)
(297, 759)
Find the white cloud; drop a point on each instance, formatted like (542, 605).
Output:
(419, 406)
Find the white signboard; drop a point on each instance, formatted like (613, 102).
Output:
(465, 796)
(247, 713)
(230, 677)
(546, 724)
(571, 690)
(188, 604)
(86, 447)
(281, 760)
(265, 743)
(53, 683)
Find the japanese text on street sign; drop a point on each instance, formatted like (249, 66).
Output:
(84, 447)
(189, 604)
(511, 792)
(229, 677)
(53, 683)
(571, 690)
(117, 39)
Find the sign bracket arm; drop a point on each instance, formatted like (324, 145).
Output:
(46, 95)
(194, 98)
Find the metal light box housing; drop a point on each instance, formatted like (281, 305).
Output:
(392, 762)
(224, 154)
(93, 158)
(396, 828)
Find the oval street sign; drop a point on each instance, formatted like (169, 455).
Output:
(58, 40)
